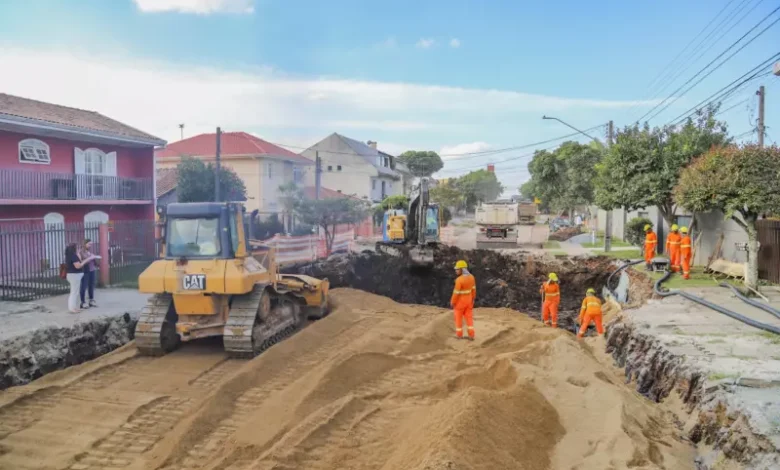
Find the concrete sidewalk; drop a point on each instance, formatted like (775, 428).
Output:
(18, 318)
(728, 351)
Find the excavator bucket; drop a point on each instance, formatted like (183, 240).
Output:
(415, 255)
(421, 256)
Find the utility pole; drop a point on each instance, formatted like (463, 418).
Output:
(608, 224)
(761, 95)
(317, 174)
(216, 175)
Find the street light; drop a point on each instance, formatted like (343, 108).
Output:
(569, 125)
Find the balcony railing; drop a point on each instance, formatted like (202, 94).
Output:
(28, 185)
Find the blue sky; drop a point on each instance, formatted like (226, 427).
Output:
(453, 76)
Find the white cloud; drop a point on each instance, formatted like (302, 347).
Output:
(156, 96)
(455, 43)
(452, 151)
(198, 7)
(389, 43)
(425, 43)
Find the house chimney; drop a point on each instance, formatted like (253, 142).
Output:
(492, 168)
(371, 144)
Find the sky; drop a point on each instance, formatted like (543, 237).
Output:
(454, 76)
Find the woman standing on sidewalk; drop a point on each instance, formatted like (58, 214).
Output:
(88, 280)
(75, 269)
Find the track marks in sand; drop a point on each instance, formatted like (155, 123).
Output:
(144, 428)
(27, 410)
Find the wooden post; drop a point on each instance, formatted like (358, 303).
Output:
(105, 277)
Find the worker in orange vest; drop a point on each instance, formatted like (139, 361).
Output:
(590, 312)
(673, 248)
(651, 240)
(686, 254)
(551, 299)
(462, 300)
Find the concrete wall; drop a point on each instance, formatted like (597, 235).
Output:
(709, 228)
(620, 219)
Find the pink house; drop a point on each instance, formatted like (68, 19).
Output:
(60, 165)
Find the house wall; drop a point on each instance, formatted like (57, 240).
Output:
(272, 173)
(76, 213)
(130, 162)
(709, 228)
(392, 187)
(355, 175)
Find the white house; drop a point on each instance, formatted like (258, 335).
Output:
(354, 168)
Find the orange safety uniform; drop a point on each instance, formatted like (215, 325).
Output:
(686, 254)
(462, 302)
(552, 299)
(651, 240)
(590, 312)
(673, 248)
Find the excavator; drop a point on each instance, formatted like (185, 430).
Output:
(212, 280)
(412, 235)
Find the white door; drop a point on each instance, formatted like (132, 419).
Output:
(92, 218)
(54, 238)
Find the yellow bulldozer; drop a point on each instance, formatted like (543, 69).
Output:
(212, 280)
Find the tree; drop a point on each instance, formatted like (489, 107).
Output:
(399, 201)
(196, 182)
(642, 168)
(478, 186)
(289, 194)
(422, 162)
(329, 213)
(447, 195)
(742, 182)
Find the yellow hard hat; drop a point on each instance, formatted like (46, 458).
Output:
(553, 277)
(647, 227)
(674, 227)
(684, 229)
(461, 265)
(591, 291)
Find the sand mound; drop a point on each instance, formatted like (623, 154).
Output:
(374, 386)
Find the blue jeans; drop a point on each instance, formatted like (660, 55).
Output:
(88, 282)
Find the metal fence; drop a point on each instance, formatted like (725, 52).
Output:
(31, 253)
(769, 250)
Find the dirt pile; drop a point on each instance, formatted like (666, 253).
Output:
(27, 357)
(565, 233)
(510, 281)
(376, 385)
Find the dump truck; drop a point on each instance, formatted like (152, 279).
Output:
(497, 224)
(526, 212)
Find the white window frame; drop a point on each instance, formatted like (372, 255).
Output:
(297, 174)
(269, 168)
(36, 146)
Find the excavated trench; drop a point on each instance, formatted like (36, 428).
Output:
(510, 281)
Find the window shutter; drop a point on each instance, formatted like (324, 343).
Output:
(80, 180)
(111, 184)
(111, 164)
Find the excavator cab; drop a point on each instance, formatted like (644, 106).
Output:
(212, 280)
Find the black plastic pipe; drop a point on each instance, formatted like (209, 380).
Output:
(609, 279)
(762, 306)
(716, 307)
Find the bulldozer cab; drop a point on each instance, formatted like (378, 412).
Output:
(204, 230)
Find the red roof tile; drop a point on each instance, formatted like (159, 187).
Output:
(233, 143)
(309, 192)
(78, 119)
(167, 179)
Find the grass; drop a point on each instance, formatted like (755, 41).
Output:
(773, 338)
(551, 245)
(558, 253)
(600, 242)
(621, 254)
(698, 279)
(720, 376)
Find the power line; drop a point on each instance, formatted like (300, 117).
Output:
(672, 95)
(723, 92)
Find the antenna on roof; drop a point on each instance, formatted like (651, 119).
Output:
(181, 130)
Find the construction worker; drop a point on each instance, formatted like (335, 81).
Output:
(651, 240)
(590, 312)
(673, 248)
(551, 299)
(462, 300)
(686, 254)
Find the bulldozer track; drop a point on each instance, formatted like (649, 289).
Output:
(240, 328)
(150, 324)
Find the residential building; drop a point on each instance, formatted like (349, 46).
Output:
(261, 165)
(62, 165)
(167, 178)
(407, 179)
(352, 167)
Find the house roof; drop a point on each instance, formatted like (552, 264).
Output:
(368, 153)
(232, 144)
(167, 179)
(27, 111)
(309, 192)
